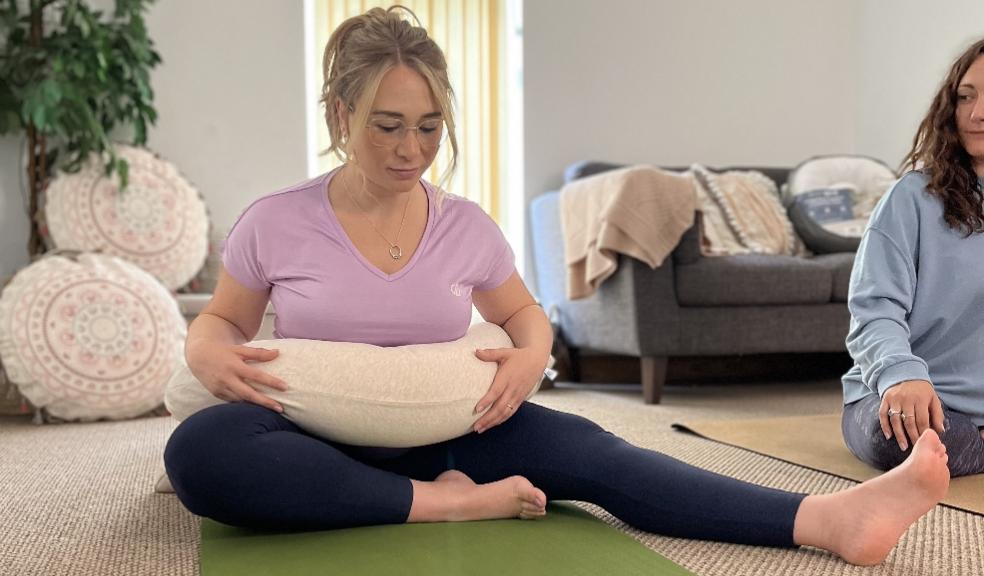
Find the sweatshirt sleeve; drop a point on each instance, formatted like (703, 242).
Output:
(882, 289)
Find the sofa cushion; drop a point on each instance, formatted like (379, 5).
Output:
(840, 266)
(753, 280)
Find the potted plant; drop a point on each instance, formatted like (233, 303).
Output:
(71, 76)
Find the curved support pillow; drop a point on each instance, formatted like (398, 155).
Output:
(824, 220)
(365, 395)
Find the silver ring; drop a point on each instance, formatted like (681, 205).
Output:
(893, 412)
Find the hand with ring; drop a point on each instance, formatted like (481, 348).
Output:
(518, 373)
(908, 409)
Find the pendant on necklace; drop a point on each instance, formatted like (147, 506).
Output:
(396, 252)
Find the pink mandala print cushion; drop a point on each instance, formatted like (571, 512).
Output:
(90, 338)
(159, 222)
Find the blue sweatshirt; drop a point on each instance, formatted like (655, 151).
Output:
(917, 302)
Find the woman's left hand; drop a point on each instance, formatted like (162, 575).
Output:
(520, 370)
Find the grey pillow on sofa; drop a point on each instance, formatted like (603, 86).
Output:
(824, 219)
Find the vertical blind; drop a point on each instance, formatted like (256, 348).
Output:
(469, 32)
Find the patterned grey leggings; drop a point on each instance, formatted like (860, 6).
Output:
(864, 437)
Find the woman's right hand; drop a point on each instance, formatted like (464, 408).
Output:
(910, 407)
(228, 372)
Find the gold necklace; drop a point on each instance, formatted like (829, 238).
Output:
(395, 251)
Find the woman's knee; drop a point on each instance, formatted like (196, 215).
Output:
(865, 439)
(202, 450)
(534, 418)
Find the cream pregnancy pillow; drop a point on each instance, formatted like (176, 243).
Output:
(367, 395)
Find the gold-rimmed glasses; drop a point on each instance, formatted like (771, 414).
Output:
(390, 132)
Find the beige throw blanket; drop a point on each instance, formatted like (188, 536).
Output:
(639, 211)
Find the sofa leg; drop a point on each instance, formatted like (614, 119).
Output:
(653, 377)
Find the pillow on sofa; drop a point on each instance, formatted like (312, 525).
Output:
(159, 222)
(870, 178)
(365, 395)
(89, 338)
(824, 219)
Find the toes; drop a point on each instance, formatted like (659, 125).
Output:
(532, 514)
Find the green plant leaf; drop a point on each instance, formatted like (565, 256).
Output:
(89, 75)
(124, 170)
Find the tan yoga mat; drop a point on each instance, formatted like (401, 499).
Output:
(816, 442)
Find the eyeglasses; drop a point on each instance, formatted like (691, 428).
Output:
(389, 132)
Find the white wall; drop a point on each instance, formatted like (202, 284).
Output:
(230, 95)
(231, 108)
(763, 82)
(904, 54)
(766, 82)
(13, 219)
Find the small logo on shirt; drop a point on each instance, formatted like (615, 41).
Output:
(461, 290)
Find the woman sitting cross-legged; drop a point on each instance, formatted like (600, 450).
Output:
(372, 253)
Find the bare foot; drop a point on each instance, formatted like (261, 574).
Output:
(453, 496)
(862, 524)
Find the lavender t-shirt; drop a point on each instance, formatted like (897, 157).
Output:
(322, 288)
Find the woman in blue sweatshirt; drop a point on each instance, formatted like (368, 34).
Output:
(917, 292)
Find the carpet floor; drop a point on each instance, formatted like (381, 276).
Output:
(77, 499)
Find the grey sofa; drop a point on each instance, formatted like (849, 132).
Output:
(692, 305)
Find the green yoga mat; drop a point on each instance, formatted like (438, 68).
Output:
(567, 541)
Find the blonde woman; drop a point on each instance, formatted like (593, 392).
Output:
(367, 253)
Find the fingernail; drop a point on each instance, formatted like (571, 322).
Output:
(887, 435)
(479, 409)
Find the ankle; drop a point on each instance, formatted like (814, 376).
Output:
(432, 502)
(813, 522)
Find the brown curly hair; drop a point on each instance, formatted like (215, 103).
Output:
(937, 150)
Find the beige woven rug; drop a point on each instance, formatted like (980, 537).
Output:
(816, 442)
(76, 499)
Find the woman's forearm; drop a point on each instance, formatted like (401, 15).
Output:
(530, 328)
(212, 328)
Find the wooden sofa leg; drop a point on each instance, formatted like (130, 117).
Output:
(653, 377)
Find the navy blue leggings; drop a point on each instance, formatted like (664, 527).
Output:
(248, 466)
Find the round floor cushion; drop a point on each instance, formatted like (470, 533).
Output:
(365, 395)
(159, 222)
(89, 338)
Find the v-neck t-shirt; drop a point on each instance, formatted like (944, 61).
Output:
(291, 243)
